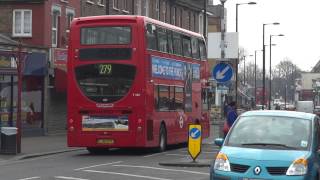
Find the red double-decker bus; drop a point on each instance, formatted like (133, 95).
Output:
(134, 82)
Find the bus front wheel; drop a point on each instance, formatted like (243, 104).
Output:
(162, 139)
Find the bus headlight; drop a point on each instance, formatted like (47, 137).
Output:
(298, 167)
(222, 163)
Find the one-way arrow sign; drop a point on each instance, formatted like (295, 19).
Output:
(194, 140)
(195, 133)
(222, 72)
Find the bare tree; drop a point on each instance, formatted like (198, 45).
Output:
(284, 75)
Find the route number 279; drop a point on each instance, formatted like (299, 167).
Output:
(105, 68)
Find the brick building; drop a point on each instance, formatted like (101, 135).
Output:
(187, 14)
(45, 23)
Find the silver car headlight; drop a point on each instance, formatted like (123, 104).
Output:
(298, 167)
(222, 163)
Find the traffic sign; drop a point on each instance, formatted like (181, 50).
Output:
(222, 72)
(194, 140)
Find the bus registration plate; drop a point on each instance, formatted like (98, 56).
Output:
(105, 141)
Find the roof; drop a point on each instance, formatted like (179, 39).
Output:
(7, 40)
(293, 114)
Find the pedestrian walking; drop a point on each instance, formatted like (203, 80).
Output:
(232, 115)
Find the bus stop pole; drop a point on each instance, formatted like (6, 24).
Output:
(19, 64)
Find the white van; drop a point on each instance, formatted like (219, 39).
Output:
(305, 106)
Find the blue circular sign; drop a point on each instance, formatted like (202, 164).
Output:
(195, 133)
(222, 72)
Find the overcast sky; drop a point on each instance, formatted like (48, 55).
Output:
(299, 22)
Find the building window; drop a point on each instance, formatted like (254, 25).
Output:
(100, 2)
(181, 17)
(164, 5)
(157, 10)
(139, 8)
(200, 23)
(210, 2)
(56, 11)
(116, 4)
(194, 23)
(178, 17)
(174, 16)
(125, 5)
(70, 15)
(189, 20)
(22, 23)
(146, 8)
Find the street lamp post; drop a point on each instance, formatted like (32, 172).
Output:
(285, 97)
(264, 66)
(255, 75)
(270, 90)
(223, 29)
(237, 60)
(244, 69)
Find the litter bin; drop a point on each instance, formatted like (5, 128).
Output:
(9, 140)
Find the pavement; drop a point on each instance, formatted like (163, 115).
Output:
(54, 144)
(39, 146)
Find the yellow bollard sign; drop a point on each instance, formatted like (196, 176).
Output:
(194, 140)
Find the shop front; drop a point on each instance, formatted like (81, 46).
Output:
(32, 102)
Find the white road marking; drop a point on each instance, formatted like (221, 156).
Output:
(182, 155)
(204, 152)
(70, 178)
(97, 165)
(153, 155)
(124, 174)
(30, 178)
(163, 169)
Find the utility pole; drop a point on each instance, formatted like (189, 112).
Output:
(19, 68)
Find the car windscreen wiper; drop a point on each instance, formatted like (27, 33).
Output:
(268, 144)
